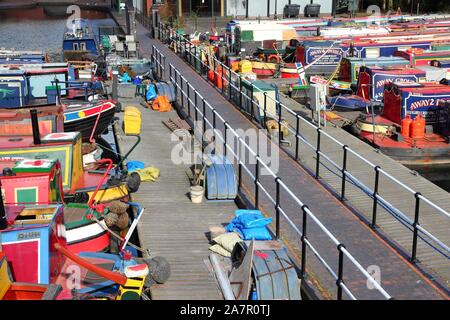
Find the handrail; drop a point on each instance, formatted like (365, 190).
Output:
(167, 33)
(220, 138)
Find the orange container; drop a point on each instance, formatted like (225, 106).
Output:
(406, 125)
(211, 76)
(218, 79)
(418, 128)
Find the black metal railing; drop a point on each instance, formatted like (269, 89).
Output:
(234, 86)
(200, 107)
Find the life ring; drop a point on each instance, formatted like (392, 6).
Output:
(273, 58)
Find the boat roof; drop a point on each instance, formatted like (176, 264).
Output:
(80, 29)
(393, 58)
(400, 70)
(423, 88)
(16, 142)
(13, 212)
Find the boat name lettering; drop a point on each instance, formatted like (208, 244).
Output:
(28, 235)
(422, 103)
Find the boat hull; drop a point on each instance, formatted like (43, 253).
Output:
(83, 119)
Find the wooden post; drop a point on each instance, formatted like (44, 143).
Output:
(180, 8)
(222, 8)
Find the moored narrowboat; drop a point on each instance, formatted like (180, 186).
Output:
(371, 80)
(413, 127)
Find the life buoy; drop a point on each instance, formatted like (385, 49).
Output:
(273, 58)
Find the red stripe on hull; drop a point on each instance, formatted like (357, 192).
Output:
(97, 244)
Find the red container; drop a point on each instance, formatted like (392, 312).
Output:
(418, 127)
(406, 125)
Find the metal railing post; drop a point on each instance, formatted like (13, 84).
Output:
(416, 222)
(265, 107)
(240, 92)
(204, 120)
(344, 169)
(339, 280)
(303, 239)
(256, 183)
(375, 199)
(214, 128)
(225, 124)
(297, 128)
(279, 123)
(277, 208)
(318, 153)
(188, 98)
(182, 93)
(195, 106)
(229, 84)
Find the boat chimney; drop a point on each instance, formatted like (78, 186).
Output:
(3, 222)
(35, 126)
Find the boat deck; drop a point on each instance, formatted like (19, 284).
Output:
(400, 278)
(172, 226)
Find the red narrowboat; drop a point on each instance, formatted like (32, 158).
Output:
(413, 127)
(372, 79)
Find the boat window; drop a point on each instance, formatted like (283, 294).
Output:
(75, 46)
(83, 46)
(372, 52)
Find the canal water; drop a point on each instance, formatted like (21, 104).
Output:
(32, 29)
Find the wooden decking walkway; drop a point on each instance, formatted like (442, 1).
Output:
(401, 279)
(172, 226)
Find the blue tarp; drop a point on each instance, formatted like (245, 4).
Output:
(250, 224)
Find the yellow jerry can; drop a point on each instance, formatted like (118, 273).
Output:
(245, 66)
(132, 121)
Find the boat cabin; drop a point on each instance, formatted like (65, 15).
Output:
(22, 86)
(27, 242)
(18, 122)
(418, 57)
(371, 80)
(324, 54)
(31, 181)
(349, 67)
(402, 99)
(79, 39)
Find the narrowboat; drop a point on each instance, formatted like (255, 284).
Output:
(318, 57)
(11, 290)
(264, 70)
(22, 57)
(371, 80)
(418, 57)
(79, 41)
(413, 127)
(387, 47)
(66, 147)
(33, 241)
(249, 37)
(90, 118)
(349, 67)
(31, 181)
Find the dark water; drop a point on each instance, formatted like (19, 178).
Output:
(26, 33)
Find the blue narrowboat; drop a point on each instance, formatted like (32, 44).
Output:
(79, 39)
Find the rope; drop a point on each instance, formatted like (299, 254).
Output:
(119, 237)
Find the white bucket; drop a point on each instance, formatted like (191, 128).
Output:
(197, 193)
